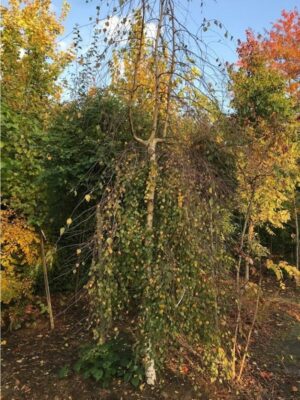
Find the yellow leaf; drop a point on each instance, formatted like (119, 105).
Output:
(87, 197)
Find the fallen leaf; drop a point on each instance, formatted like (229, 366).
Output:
(266, 374)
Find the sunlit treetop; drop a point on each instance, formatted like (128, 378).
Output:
(31, 60)
(279, 48)
(283, 45)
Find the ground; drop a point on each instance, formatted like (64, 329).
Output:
(33, 356)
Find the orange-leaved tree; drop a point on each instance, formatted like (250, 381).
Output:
(282, 45)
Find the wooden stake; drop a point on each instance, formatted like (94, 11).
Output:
(47, 289)
(297, 233)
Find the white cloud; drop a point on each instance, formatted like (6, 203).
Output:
(117, 23)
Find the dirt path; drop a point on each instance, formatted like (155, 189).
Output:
(290, 354)
(276, 356)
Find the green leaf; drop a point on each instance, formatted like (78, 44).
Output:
(86, 374)
(135, 381)
(64, 372)
(77, 366)
(97, 373)
(127, 376)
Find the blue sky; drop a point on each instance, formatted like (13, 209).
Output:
(236, 16)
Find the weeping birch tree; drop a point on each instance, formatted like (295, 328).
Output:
(158, 216)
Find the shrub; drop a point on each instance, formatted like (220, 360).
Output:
(113, 359)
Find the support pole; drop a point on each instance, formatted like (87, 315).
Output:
(46, 281)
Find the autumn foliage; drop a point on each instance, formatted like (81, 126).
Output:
(31, 60)
(283, 47)
(19, 257)
(279, 47)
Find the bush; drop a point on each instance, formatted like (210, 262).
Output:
(113, 359)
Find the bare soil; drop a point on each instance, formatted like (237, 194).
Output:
(32, 357)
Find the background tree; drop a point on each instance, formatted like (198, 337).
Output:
(267, 157)
(31, 64)
(280, 51)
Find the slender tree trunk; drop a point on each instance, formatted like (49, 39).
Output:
(151, 185)
(150, 370)
(245, 355)
(47, 289)
(297, 233)
(238, 287)
(151, 143)
(250, 238)
(153, 139)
